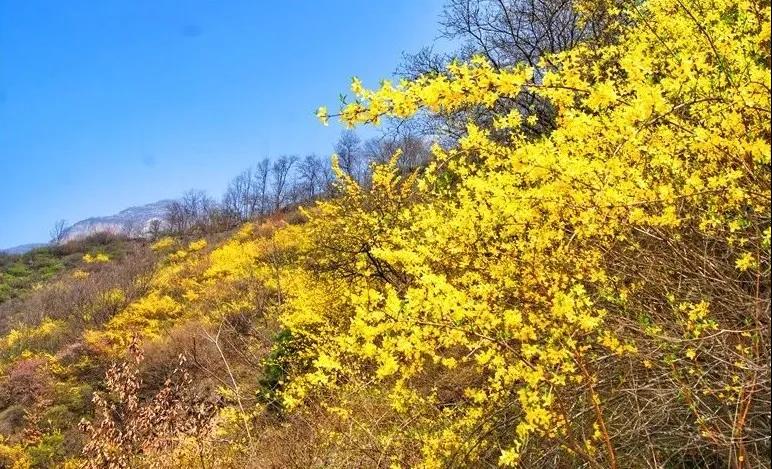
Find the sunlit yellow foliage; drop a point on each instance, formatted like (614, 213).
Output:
(492, 301)
(234, 258)
(164, 243)
(96, 258)
(201, 285)
(72, 463)
(197, 245)
(496, 258)
(32, 338)
(13, 456)
(114, 296)
(178, 255)
(80, 274)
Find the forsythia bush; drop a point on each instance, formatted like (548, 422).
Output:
(597, 295)
(97, 258)
(575, 290)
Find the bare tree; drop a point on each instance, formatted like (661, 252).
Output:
(247, 194)
(208, 218)
(58, 232)
(512, 31)
(262, 170)
(218, 219)
(423, 62)
(175, 217)
(280, 177)
(508, 32)
(132, 228)
(350, 157)
(198, 208)
(194, 211)
(314, 177)
(192, 204)
(154, 228)
(238, 199)
(415, 149)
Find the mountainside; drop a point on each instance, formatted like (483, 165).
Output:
(32, 270)
(581, 283)
(133, 221)
(22, 249)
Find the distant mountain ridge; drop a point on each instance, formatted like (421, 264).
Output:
(24, 248)
(133, 221)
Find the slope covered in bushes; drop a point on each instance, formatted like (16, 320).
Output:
(593, 295)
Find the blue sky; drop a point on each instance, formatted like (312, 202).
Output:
(107, 104)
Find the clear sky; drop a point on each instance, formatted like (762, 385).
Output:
(108, 104)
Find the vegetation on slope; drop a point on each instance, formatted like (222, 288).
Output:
(21, 273)
(596, 294)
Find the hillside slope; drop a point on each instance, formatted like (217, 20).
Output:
(596, 295)
(22, 249)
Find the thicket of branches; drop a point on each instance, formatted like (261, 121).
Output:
(271, 187)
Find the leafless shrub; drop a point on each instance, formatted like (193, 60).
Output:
(129, 430)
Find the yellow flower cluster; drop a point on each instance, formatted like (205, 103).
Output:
(494, 259)
(163, 243)
(96, 258)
